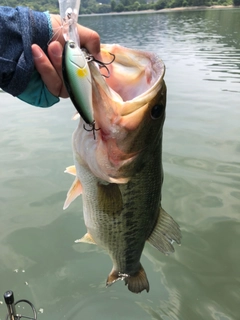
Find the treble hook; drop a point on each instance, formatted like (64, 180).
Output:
(93, 128)
(101, 64)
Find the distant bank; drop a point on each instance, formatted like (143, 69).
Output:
(163, 10)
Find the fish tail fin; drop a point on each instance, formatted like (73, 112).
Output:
(166, 232)
(136, 283)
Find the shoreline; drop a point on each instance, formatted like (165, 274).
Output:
(161, 10)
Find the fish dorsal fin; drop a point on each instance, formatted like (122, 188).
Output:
(71, 170)
(87, 238)
(165, 233)
(73, 193)
(110, 198)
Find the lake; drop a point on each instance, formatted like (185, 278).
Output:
(201, 190)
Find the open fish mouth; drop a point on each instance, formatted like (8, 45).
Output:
(122, 102)
(135, 76)
(128, 108)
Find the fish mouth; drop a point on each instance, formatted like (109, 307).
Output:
(135, 77)
(122, 107)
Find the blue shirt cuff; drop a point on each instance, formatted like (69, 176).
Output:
(49, 24)
(37, 93)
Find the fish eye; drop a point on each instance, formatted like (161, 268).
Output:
(156, 111)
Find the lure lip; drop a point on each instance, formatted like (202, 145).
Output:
(70, 67)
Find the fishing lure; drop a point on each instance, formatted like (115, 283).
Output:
(77, 78)
(76, 73)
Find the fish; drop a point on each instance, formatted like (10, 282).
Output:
(118, 171)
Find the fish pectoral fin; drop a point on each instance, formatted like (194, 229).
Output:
(87, 238)
(165, 233)
(73, 193)
(76, 116)
(136, 283)
(71, 170)
(110, 198)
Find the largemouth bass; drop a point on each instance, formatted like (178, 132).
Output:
(119, 173)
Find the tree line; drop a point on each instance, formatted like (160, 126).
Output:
(107, 6)
(100, 6)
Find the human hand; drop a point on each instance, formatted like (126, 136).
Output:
(50, 67)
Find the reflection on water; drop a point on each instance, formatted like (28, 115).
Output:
(201, 153)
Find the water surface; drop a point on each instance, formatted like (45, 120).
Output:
(201, 158)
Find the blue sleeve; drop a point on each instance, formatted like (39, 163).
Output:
(37, 93)
(19, 28)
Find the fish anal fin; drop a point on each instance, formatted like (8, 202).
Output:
(110, 198)
(74, 191)
(165, 233)
(112, 278)
(136, 283)
(87, 238)
(71, 170)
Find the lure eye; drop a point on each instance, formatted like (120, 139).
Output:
(156, 111)
(72, 45)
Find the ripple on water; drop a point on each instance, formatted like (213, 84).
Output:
(205, 275)
(210, 202)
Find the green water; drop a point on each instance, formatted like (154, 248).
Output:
(201, 158)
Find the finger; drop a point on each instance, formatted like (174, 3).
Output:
(89, 39)
(47, 71)
(55, 51)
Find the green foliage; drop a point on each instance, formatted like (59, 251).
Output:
(105, 6)
(174, 3)
(125, 3)
(41, 5)
(160, 4)
(120, 7)
(113, 5)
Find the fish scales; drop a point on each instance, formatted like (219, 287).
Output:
(107, 226)
(119, 174)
